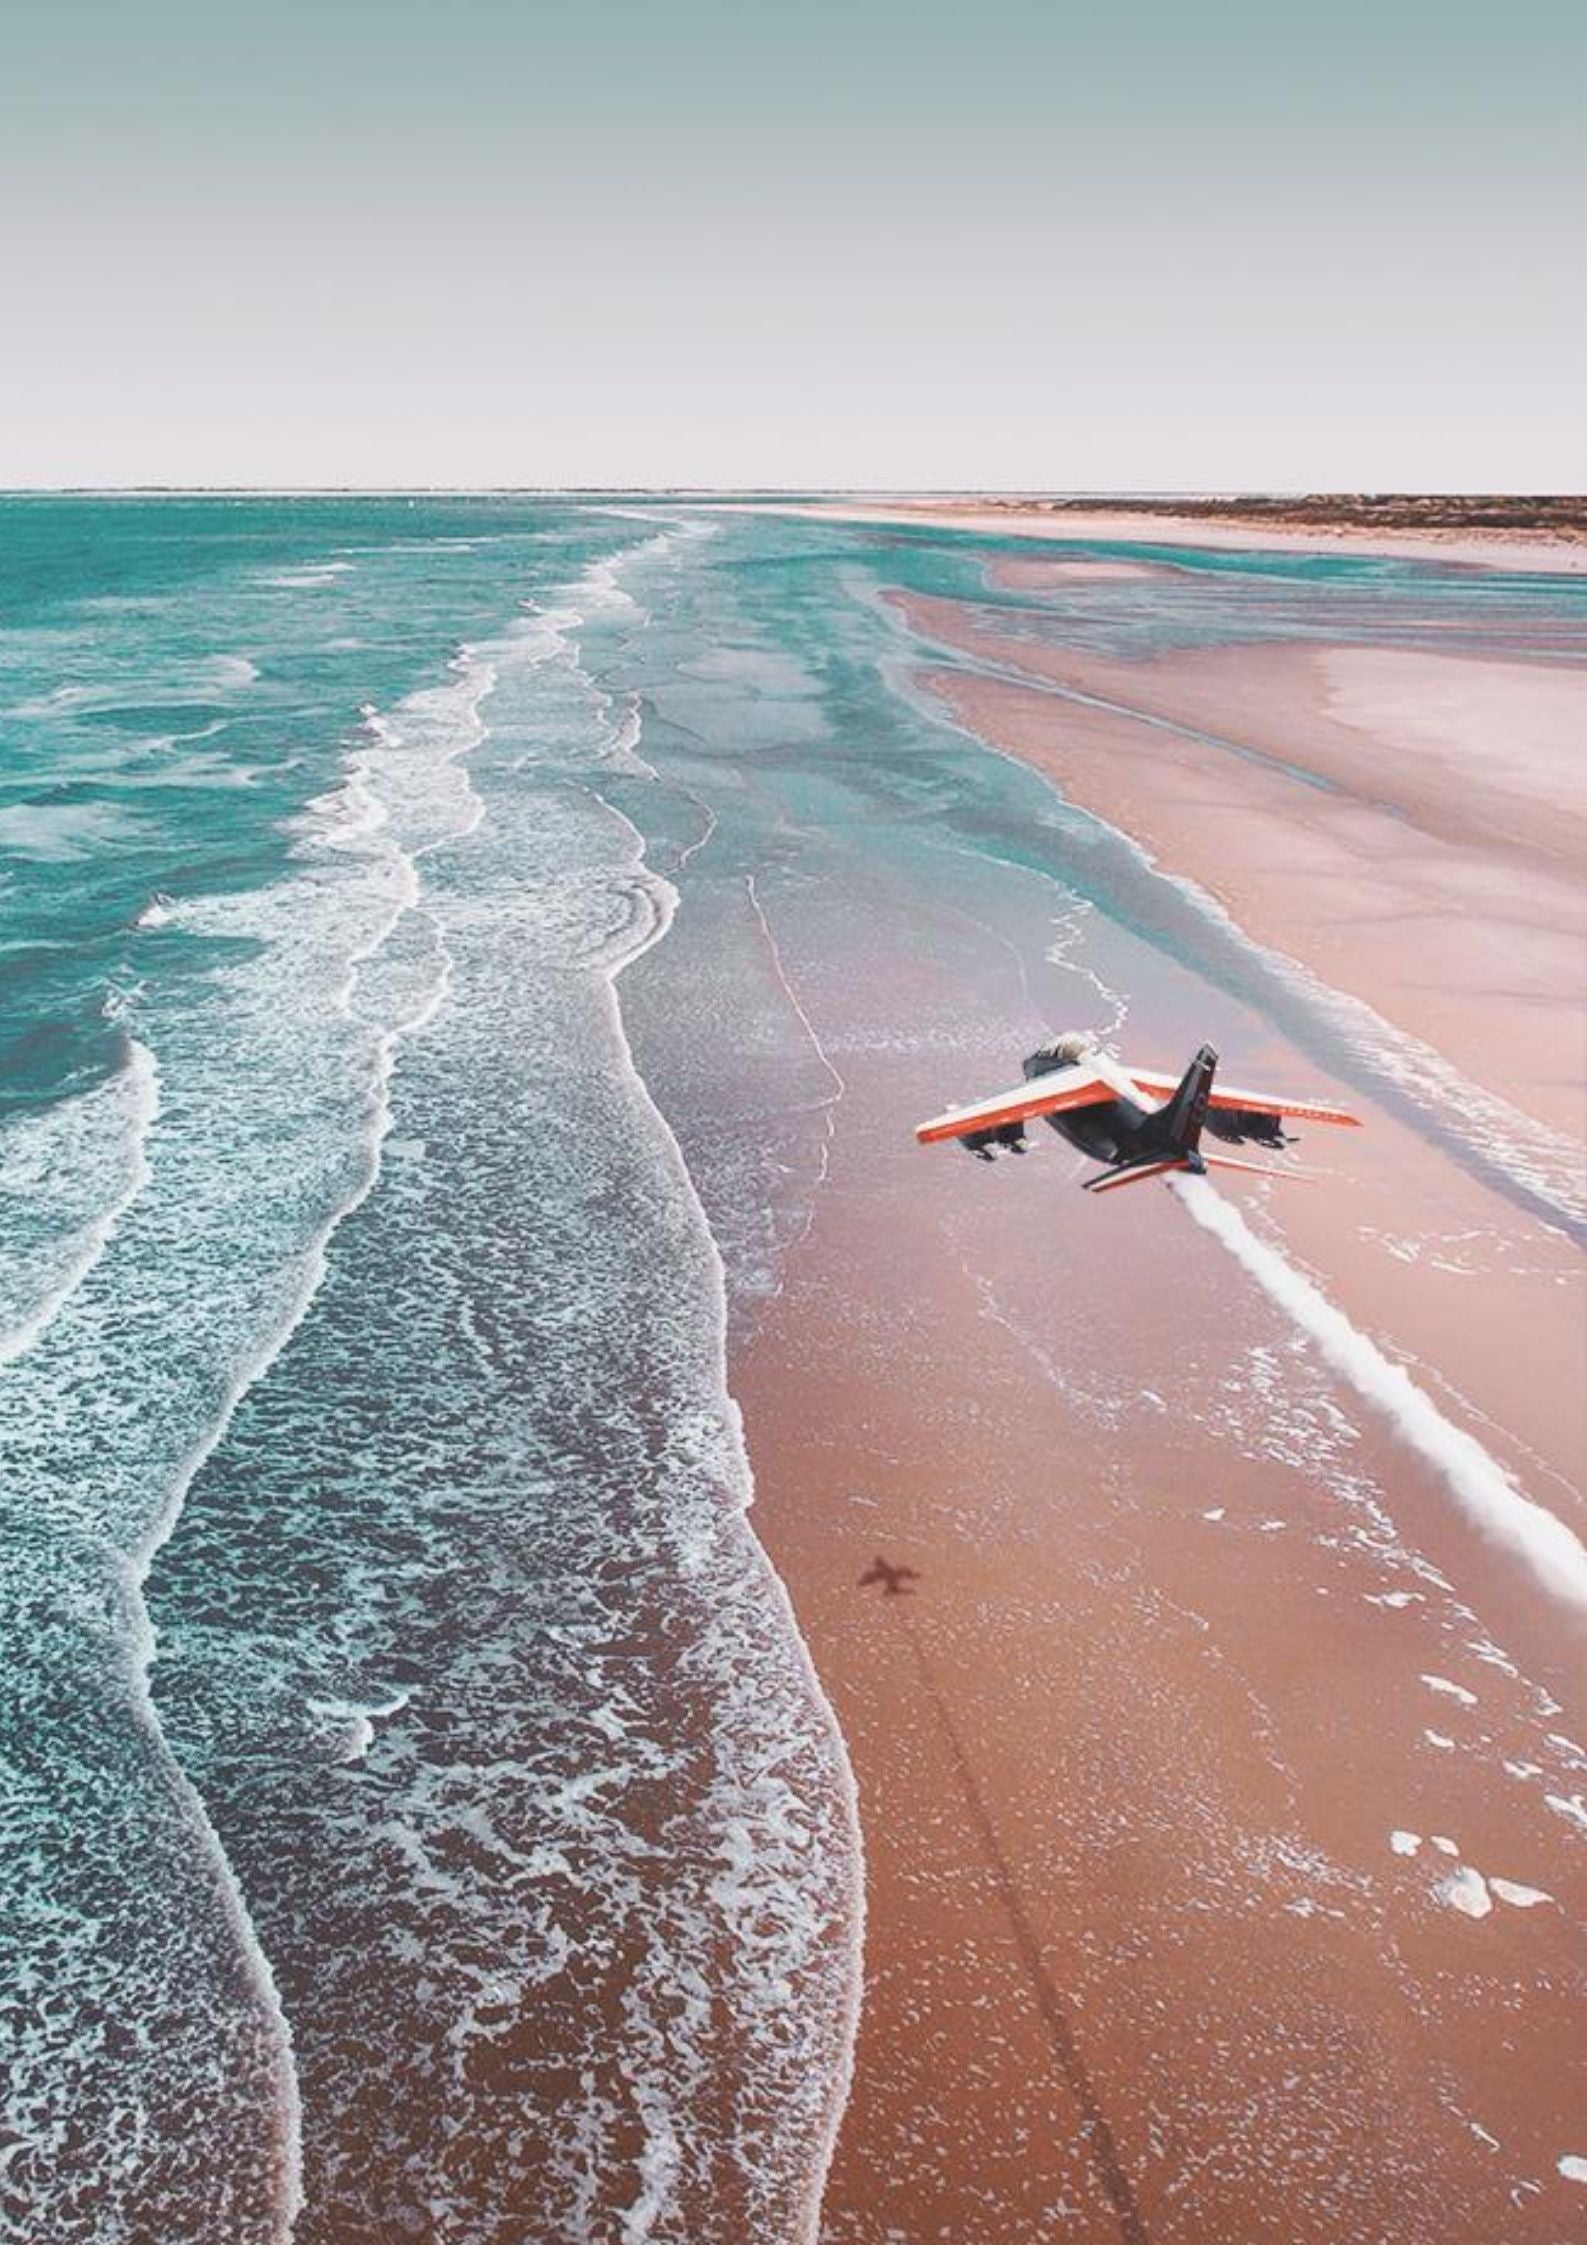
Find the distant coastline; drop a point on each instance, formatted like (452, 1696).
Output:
(1543, 533)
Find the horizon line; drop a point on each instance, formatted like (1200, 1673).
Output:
(726, 492)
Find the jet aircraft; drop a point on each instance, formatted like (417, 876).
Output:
(894, 1580)
(1137, 1123)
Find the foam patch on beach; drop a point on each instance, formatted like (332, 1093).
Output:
(1518, 1896)
(1483, 1490)
(1466, 1890)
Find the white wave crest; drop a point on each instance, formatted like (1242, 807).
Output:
(66, 1178)
(1481, 1487)
(309, 577)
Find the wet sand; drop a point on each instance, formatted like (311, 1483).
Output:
(1046, 575)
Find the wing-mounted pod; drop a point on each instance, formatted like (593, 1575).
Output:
(985, 1144)
(1236, 1125)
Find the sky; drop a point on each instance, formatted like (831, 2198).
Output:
(1024, 245)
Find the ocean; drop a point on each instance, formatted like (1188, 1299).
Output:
(420, 1805)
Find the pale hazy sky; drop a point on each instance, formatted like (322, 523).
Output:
(1021, 244)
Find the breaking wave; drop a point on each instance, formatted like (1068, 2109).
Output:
(67, 1176)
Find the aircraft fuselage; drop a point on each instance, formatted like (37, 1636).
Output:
(1123, 1129)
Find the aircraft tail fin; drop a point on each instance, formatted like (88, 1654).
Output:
(1179, 1123)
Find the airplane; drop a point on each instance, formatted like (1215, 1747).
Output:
(1137, 1123)
(895, 1581)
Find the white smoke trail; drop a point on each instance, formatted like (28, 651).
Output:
(1483, 1490)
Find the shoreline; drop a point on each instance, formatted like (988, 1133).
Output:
(741, 1515)
(1195, 1793)
(1474, 547)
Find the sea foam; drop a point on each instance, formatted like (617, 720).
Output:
(184, 1237)
(546, 1491)
(67, 1175)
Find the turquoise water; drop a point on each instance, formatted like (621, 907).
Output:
(419, 1803)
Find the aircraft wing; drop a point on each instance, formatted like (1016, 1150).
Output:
(1038, 1095)
(1252, 1102)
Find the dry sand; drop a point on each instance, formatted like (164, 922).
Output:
(1484, 549)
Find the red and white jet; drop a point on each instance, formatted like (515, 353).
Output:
(1136, 1122)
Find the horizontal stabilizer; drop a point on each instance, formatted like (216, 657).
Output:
(1112, 1179)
